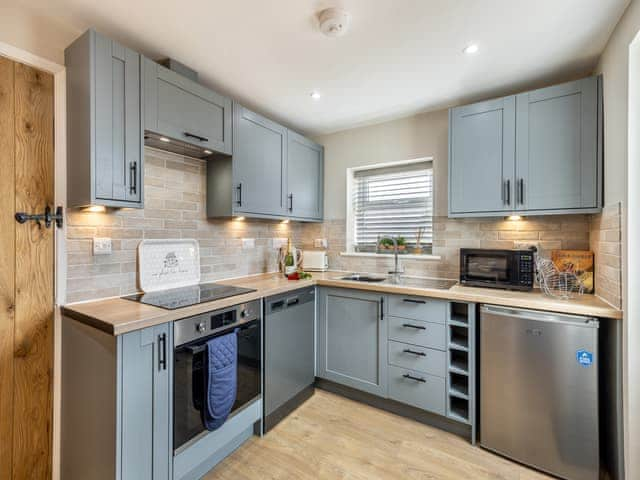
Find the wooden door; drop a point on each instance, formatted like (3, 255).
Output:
(26, 272)
(481, 158)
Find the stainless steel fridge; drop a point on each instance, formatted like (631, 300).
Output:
(539, 390)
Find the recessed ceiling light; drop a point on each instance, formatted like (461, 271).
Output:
(95, 209)
(315, 95)
(208, 152)
(164, 139)
(514, 218)
(471, 48)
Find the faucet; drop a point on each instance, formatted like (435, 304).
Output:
(397, 268)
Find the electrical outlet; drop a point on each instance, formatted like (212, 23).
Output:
(320, 243)
(248, 243)
(102, 246)
(278, 243)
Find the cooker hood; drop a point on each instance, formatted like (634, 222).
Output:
(161, 142)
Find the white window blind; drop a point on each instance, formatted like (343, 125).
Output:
(393, 201)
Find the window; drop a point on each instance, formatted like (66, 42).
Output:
(392, 200)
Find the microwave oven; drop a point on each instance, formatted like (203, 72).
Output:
(506, 269)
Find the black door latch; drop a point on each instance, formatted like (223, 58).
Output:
(47, 217)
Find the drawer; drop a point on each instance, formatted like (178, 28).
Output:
(418, 389)
(415, 332)
(416, 358)
(418, 308)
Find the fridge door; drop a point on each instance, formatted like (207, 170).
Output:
(539, 390)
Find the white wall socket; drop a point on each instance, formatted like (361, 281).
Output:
(101, 246)
(320, 243)
(248, 243)
(279, 243)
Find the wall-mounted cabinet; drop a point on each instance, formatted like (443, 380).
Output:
(182, 110)
(535, 153)
(104, 124)
(273, 173)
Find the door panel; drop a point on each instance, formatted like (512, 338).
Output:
(482, 156)
(26, 276)
(557, 147)
(259, 162)
(305, 161)
(353, 340)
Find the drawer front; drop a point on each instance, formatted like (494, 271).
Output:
(418, 389)
(417, 358)
(418, 308)
(415, 332)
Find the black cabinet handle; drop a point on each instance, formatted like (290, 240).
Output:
(381, 308)
(417, 327)
(239, 188)
(508, 193)
(196, 137)
(411, 300)
(290, 202)
(133, 177)
(411, 377)
(277, 304)
(162, 351)
(413, 352)
(521, 190)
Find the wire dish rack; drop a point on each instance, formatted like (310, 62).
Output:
(553, 282)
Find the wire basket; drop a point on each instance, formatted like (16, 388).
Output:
(553, 282)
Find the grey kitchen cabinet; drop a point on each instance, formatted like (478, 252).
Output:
(305, 177)
(482, 157)
(116, 403)
(181, 109)
(104, 123)
(535, 153)
(557, 148)
(259, 164)
(352, 339)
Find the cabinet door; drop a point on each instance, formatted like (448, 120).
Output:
(557, 147)
(259, 164)
(118, 125)
(305, 177)
(481, 157)
(352, 340)
(145, 404)
(189, 112)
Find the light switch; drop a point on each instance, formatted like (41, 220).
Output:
(102, 246)
(248, 243)
(320, 243)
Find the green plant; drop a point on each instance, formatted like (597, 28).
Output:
(401, 241)
(386, 242)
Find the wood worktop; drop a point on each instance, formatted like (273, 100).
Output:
(117, 316)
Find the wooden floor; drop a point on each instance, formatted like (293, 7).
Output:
(331, 437)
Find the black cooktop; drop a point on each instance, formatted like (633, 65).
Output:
(174, 298)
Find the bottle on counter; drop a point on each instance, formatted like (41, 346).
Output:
(289, 262)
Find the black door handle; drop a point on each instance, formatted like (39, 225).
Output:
(413, 352)
(381, 308)
(411, 377)
(196, 137)
(133, 177)
(416, 327)
(162, 351)
(411, 300)
(291, 202)
(47, 217)
(239, 188)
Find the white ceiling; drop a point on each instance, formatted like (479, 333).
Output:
(400, 57)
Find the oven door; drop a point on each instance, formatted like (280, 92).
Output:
(489, 268)
(189, 382)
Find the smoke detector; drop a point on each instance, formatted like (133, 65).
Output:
(334, 22)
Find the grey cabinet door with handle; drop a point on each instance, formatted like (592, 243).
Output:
(352, 339)
(259, 164)
(481, 157)
(145, 427)
(557, 147)
(305, 177)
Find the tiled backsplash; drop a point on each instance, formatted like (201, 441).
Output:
(175, 208)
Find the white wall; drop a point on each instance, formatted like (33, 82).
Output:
(423, 135)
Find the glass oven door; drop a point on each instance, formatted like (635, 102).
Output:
(189, 381)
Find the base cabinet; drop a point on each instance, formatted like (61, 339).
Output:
(116, 403)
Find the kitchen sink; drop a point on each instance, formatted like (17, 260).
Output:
(364, 278)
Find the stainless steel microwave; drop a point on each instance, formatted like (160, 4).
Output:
(507, 269)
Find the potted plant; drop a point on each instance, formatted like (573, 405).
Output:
(385, 244)
(402, 244)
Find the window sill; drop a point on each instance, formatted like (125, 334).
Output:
(408, 256)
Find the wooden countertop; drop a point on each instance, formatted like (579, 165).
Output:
(117, 316)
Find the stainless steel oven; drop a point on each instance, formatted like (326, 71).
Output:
(508, 269)
(190, 339)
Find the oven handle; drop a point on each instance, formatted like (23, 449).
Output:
(198, 345)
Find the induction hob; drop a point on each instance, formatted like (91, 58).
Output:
(174, 298)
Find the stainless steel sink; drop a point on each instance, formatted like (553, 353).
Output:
(364, 278)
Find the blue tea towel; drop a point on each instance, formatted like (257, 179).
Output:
(220, 379)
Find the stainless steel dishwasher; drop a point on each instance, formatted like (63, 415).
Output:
(289, 356)
(539, 390)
